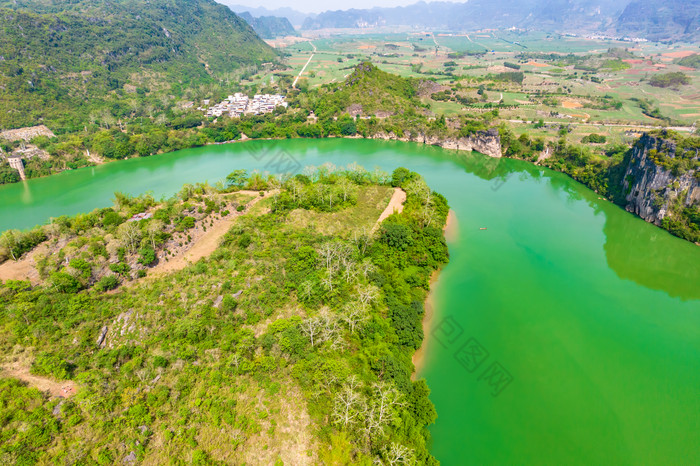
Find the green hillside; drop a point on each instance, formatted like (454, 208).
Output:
(62, 61)
(369, 90)
(290, 344)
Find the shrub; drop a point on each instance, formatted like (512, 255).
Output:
(669, 79)
(185, 223)
(111, 218)
(397, 236)
(244, 241)
(106, 283)
(49, 364)
(121, 268)
(82, 266)
(148, 255)
(160, 361)
(594, 138)
(65, 283)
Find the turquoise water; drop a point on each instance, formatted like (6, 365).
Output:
(584, 318)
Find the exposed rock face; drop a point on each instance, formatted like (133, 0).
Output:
(486, 142)
(26, 134)
(102, 336)
(649, 188)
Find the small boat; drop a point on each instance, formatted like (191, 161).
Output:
(482, 228)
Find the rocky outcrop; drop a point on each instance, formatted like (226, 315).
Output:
(486, 142)
(650, 188)
(26, 134)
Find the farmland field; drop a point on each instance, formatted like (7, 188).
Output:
(589, 85)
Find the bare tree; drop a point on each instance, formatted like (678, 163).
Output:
(385, 398)
(306, 288)
(346, 188)
(349, 404)
(350, 271)
(153, 228)
(331, 333)
(399, 454)
(328, 252)
(367, 267)
(10, 240)
(367, 294)
(362, 240)
(310, 172)
(327, 281)
(294, 187)
(312, 328)
(129, 234)
(354, 313)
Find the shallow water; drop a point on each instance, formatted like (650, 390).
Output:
(567, 332)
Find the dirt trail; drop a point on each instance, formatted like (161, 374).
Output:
(395, 204)
(304, 68)
(64, 389)
(207, 242)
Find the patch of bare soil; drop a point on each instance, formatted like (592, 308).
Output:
(679, 54)
(25, 268)
(395, 205)
(64, 389)
(571, 104)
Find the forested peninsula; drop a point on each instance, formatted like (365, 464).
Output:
(305, 298)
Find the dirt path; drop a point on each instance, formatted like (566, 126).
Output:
(304, 68)
(65, 389)
(395, 204)
(207, 242)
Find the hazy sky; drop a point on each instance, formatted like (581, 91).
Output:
(316, 6)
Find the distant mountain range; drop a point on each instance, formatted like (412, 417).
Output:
(662, 19)
(269, 27)
(295, 17)
(653, 19)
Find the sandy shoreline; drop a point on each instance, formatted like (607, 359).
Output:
(419, 356)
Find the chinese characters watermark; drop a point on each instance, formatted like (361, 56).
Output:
(472, 355)
(275, 161)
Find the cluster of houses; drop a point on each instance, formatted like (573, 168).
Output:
(239, 104)
(606, 37)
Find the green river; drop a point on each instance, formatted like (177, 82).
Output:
(567, 332)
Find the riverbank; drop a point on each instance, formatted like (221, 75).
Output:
(418, 359)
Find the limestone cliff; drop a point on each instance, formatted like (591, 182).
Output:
(486, 142)
(650, 186)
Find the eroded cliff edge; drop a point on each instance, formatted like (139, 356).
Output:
(660, 182)
(486, 142)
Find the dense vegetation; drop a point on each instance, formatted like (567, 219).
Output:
(72, 63)
(692, 61)
(669, 79)
(369, 90)
(286, 345)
